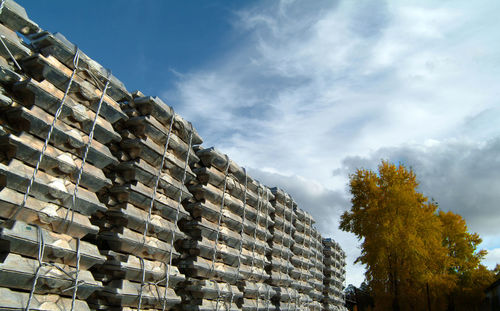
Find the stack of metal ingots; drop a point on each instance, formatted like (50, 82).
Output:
(334, 276)
(226, 252)
(139, 232)
(316, 270)
(281, 243)
(57, 110)
(302, 252)
(108, 202)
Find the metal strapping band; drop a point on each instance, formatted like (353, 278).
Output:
(309, 239)
(45, 145)
(41, 249)
(220, 214)
(218, 296)
(259, 203)
(283, 237)
(266, 214)
(291, 238)
(268, 297)
(143, 278)
(158, 177)
(10, 53)
(2, 3)
(242, 224)
(179, 202)
(85, 155)
(41, 264)
(231, 293)
(75, 289)
(258, 298)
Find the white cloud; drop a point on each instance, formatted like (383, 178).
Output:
(493, 258)
(460, 175)
(314, 83)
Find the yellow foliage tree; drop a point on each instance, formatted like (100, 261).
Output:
(464, 264)
(415, 256)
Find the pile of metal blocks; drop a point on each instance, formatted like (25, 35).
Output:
(57, 111)
(334, 276)
(281, 242)
(108, 202)
(301, 259)
(316, 270)
(226, 251)
(139, 232)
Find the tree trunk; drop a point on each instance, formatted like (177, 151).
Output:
(428, 297)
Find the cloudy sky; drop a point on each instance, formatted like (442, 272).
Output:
(304, 92)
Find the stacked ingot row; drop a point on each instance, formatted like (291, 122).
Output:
(226, 251)
(301, 259)
(334, 276)
(316, 270)
(124, 210)
(281, 242)
(139, 232)
(53, 154)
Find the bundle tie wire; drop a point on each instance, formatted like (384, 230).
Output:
(268, 297)
(2, 3)
(291, 238)
(143, 279)
(41, 264)
(85, 155)
(218, 296)
(231, 297)
(144, 283)
(220, 215)
(259, 203)
(46, 143)
(157, 179)
(241, 235)
(179, 202)
(10, 53)
(242, 225)
(173, 234)
(283, 239)
(266, 214)
(310, 241)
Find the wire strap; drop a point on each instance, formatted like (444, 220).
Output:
(179, 202)
(220, 215)
(85, 155)
(75, 289)
(158, 177)
(41, 264)
(218, 296)
(268, 297)
(242, 225)
(41, 250)
(266, 214)
(143, 278)
(10, 53)
(45, 145)
(231, 297)
(2, 3)
(291, 238)
(259, 204)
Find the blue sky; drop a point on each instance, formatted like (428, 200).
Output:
(143, 42)
(304, 92)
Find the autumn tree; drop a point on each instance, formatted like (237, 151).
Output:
(464, 263)
(415, 256)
